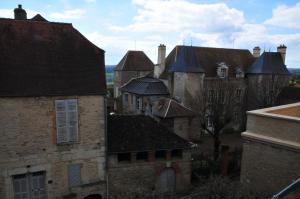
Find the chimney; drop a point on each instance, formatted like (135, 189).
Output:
(20, 13)
(160, 66)
(282, 50)
(161, 53)
(256, 51)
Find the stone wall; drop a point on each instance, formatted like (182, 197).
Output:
(28, 144)
(268, 168)
(137, 178)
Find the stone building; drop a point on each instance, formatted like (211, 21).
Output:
(271, 148)
(145, 158)
(52, 118)
(193, 72)
(134, 64)
(138, 94)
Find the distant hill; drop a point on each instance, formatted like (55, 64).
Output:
(109, 69)
(294, 70)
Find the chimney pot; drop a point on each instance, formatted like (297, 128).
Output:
(20, 6)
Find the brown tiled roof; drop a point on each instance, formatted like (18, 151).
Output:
(207, 59)
(129, 133)
(135, 61)
(169, 108)
(39, 58)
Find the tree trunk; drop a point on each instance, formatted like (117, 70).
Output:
(217, 144)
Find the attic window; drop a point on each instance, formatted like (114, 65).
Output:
(222, 70)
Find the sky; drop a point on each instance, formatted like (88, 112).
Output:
(117, 26)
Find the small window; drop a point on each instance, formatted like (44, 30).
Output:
(177, 153)
(138, 103)
(124, 157)
(142, 156)
(161, 154)
(74, 175)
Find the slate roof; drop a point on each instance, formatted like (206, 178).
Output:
(204, 59)
(169, 108)
(135, 61)
(129, 133)
(145, 86)
(268, 63)
(40, 58)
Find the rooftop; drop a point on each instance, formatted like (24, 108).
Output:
(135, 61)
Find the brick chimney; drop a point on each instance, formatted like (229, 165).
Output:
(256, 51)
(282, 50)
(20, 13)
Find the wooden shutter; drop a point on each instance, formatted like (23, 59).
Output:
(74, 175)
(21, 187)
(38, 187)
(72, 120)
(61, 122)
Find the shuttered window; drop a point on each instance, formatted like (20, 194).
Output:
(66, 121)
(74, 175)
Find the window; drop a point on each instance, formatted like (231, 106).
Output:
(161, 154)
(210, 95)
(30, 185)
(124, 157)
(126, 98)
(223, 72)
(66, 121)
(176, 153)
(142, 156)
(138, 103)
(74, 175)
(238, 94)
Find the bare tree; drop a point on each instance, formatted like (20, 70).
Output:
(216, 107)
(266, 89)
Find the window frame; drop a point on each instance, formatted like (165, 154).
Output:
(68, 121)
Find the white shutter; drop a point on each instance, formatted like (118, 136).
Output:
(21, 188)
(72, 120)
(74, 175)
(61, 122)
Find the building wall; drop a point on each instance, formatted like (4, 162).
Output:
(137, 178)
(28, 144)
(271, 150)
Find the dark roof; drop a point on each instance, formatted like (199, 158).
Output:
(140, 133)
(268, 63)
(45, 59)
(205, 59)
(145, 86)
(135, 61)
(169, 108)
(38, 17)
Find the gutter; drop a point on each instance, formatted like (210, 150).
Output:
(287, 190)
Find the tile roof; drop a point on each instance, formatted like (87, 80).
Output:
(40, 58)
(135, 61)
(129, 133)
(169, 108)
(204, 59)
(268, 63)
(145, 86)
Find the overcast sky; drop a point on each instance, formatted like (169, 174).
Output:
(120, 25)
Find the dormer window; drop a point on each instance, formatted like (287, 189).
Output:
(239, 73)
(222, 70)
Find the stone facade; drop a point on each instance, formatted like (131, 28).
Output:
(140, 178)
(28, 145)
(271, 149)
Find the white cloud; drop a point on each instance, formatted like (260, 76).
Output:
(9, 13)
(68, 14)
(285, 16)
(178, 15)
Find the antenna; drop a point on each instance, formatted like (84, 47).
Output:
(191, 41)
